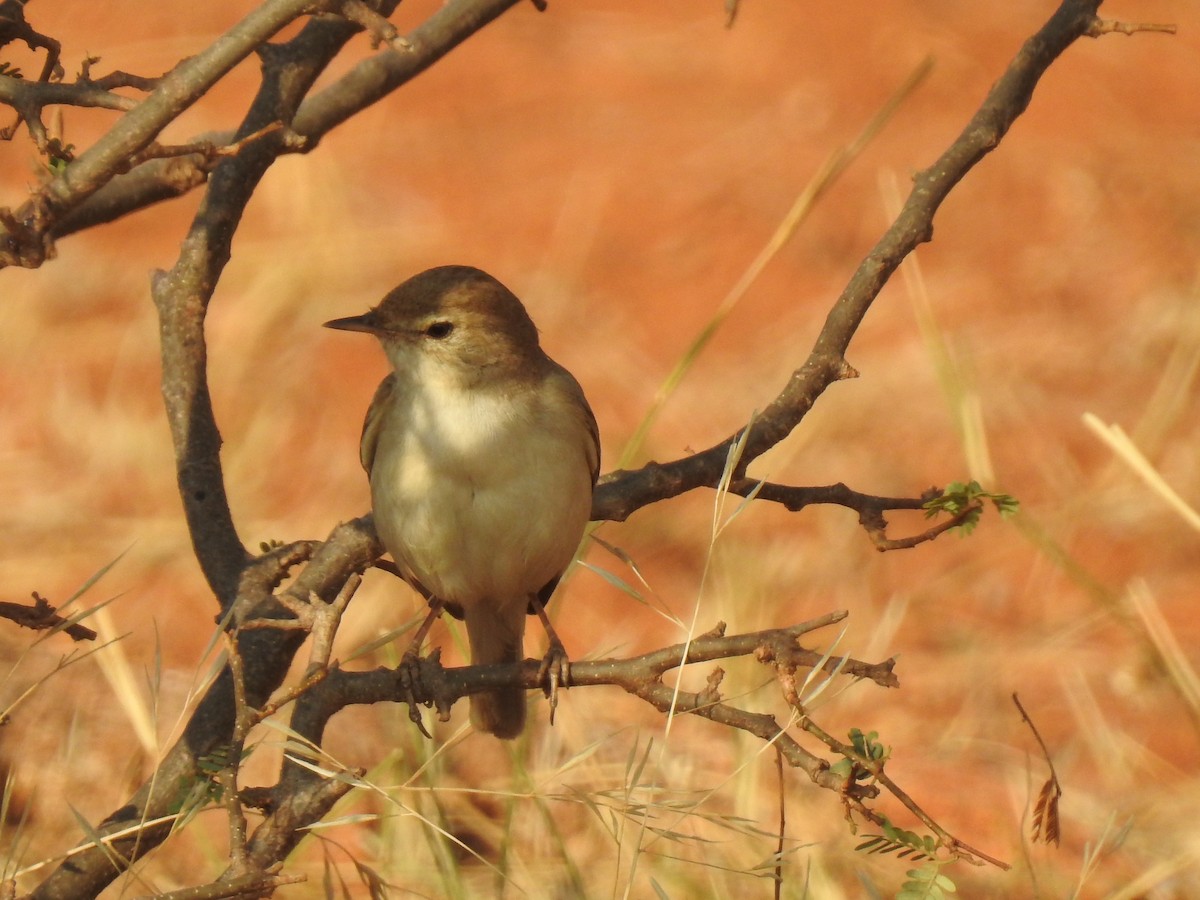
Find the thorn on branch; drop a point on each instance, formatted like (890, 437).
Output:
(270, 569)
(711, 695)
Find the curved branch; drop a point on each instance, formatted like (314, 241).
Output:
(182, 296)
(624, 492)
(32, 228)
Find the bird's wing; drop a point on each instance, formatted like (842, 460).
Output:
(374, 421)
(592, 450)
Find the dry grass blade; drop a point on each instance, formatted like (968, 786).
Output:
(67, 660)
(777, 869)
(647, 596)
(97, 840)
(616, 581)
(957, 386)
(1166, 645)
(1114, 436)
(807, 699)
(826, 176)
(115, 667)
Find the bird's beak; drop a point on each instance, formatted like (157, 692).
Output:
(365, 322)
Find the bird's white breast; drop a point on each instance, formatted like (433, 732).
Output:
(482, 494)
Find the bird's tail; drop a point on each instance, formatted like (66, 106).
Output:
(496, 634)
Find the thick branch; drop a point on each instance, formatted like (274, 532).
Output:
(13, 27)
(183, 294)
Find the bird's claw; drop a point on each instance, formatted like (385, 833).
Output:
(555, 670)
(409, 672)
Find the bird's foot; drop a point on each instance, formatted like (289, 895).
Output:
(409, 673)
(554, 671)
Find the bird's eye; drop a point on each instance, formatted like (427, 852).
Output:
(439, 330)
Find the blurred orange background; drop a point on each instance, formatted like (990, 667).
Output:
(619, 165)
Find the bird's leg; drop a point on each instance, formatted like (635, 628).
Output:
(436, 605)
(556, 665)
(410, 664)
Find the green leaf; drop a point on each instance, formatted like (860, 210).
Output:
(958, 499)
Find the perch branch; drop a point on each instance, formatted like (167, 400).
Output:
(437, 686)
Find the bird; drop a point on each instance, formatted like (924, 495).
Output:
(482, 455)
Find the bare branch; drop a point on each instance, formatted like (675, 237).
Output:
(381, 30)
(41, 616)
(30, 243)
(246, 886)
(375, 78)
(182, 296)
(301, 796)
(624, 492)
(34, 95)
(877, 530)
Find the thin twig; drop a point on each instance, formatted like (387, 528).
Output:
(1101, 27)
(41, 616)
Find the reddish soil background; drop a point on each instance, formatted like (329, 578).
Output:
(619, 165)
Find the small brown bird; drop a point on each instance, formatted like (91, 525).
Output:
(482, 454)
